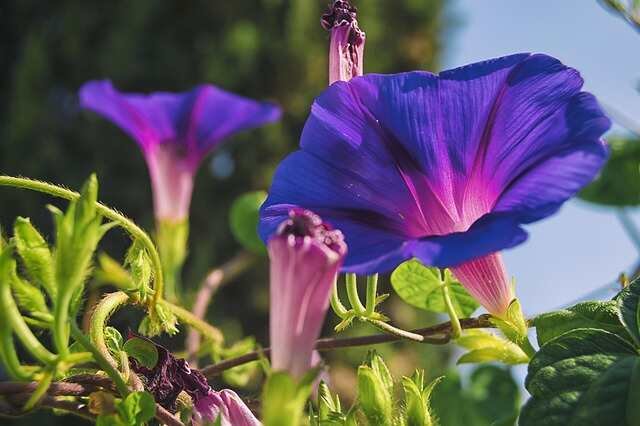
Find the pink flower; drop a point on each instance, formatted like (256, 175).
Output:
(305, 255)
(227, 406)
(346, 51)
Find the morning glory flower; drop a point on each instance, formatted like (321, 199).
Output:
(175, 132)
(171, 376)
(305, 255)
(346, 49)
(445, 168)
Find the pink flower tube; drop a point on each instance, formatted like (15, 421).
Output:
(305, 255)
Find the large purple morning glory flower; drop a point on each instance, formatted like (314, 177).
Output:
(176, 131)
(445, 168)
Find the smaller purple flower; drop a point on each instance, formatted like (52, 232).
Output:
(305, 255)
(172, 375)
(176, 131)
(228, 407)
(346, 50)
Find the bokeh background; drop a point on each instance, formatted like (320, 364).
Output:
(276, 50)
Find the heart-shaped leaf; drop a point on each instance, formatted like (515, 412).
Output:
(421, 286)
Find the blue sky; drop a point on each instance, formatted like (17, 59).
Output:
(583, 247)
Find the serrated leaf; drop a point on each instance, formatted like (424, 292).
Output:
(35, 255)
(602, 315)
(144, 351)
(243, 219)
(420, 286)
(628, 302)
(585, 377)
(484, 347)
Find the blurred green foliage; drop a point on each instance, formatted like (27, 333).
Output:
(264, 49)
(619, 182)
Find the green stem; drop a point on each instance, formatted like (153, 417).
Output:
(40, 390)
(336, 304)
(11, 315)
(126, 223)
(352, 294)
(372, 291)
(121, 385)
(404, 334)
(188, 318)
(78, 358)
(456, 329)
(8, 354)
(101, 314)
(61, 322)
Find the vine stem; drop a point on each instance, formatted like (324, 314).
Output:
(214, 280)
(101, 314)
(77, 334)
(439, 334)
(372, 291)
(456, 329)
(352, 293)
(134, 230)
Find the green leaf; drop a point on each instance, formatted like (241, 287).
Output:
(29, 298)
(377, 364)
(618, 184)
(244, 218)
(484, 347)
(144, 351)
(629, 309)
(113, 339)
(283, 400)
(137, 408)
(492, 396)
(585, 377)
(602, 315)
(35, 255)
(420, 286)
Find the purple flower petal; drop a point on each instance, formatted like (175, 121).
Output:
(195, 121)
(176, 131)
(442, 167)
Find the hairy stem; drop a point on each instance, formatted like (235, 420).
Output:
(456, 330)
(336, 304)
(352, 293)
(77, 334)
(15, 321)
(372, 291)
(188, 318)
(136, 232)
(101, 314)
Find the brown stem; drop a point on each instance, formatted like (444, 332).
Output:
(214, 280)
(16, 400)
(166, 417)
(439, 334)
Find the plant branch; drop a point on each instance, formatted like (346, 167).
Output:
(436, 335)
(215, 279)
(134, 230)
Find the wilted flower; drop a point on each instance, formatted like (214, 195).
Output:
(172, 375)
(444, 167)
(346, 49)
(306, 254)
(175, 132)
